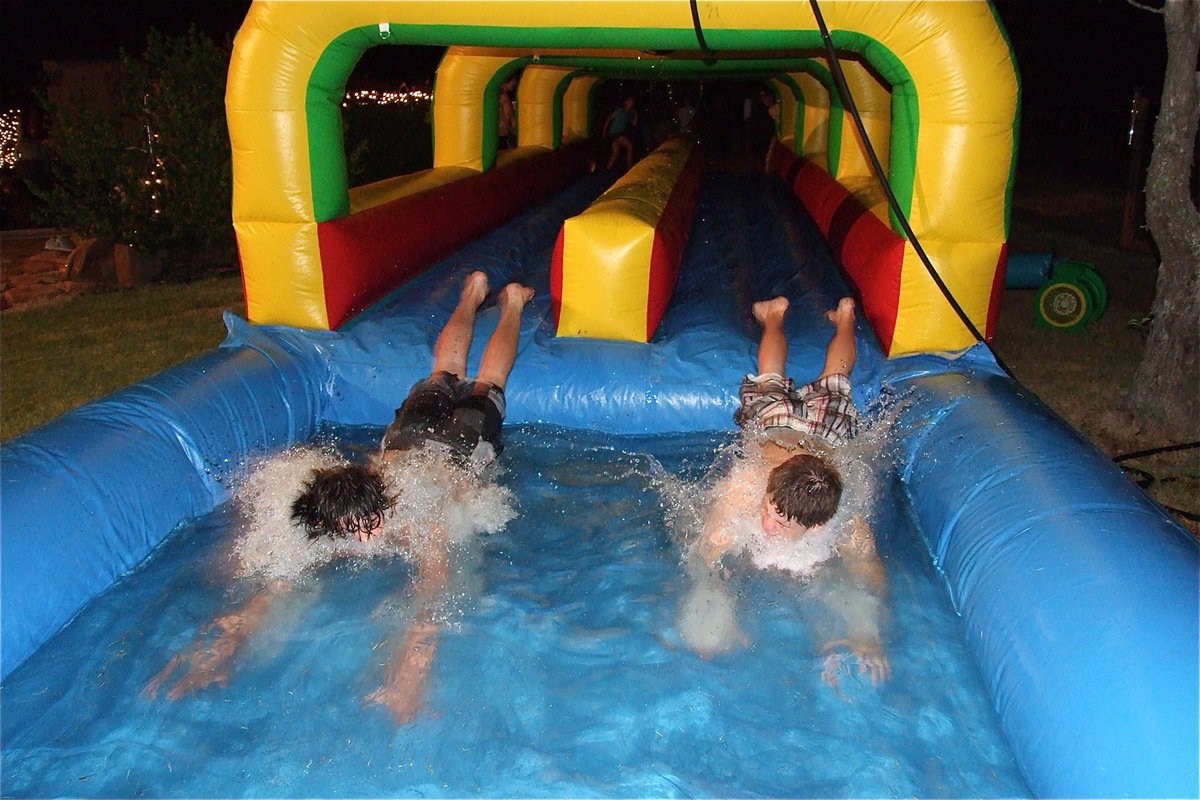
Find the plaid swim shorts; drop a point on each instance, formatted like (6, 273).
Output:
(822, 408)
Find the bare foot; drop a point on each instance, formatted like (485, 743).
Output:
(475, 289)
(515, 296)
(843, 314)
(774, 308)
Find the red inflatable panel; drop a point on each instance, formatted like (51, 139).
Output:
(368, 254)
(998, 280)
(870, 253)
(556, 277)
(670, 240)
(820, 194)
(872, 257)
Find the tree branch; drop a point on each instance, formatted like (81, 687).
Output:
(1144, 7)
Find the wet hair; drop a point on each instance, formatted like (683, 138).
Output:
(805, 489)
(341, 501)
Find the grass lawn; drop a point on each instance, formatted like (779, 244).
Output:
(58, 357)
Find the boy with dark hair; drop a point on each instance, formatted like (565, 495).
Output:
(347, 500)
(779, 504)
(449, 426)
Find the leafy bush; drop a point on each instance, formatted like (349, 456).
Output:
(154, 172)
(383, 141)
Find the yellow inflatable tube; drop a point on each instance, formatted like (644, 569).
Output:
(615, 265)
(950, 146)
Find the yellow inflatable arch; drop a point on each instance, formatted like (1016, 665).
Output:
(935, 83)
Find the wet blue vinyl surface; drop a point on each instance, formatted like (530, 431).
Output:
(560, 674)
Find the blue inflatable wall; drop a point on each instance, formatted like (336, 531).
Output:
(1078, 592)
(1079, 595)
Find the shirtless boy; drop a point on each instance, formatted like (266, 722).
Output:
(779, 504)
(453, 423)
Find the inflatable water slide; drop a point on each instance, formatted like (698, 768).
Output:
(1077, 593)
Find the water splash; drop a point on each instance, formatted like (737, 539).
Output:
(433, 497)
(861, 461)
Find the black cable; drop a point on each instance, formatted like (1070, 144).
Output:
(1139, 476)
(708, 62)
(849, 104)
(1185, 514)
(1145, 479)
(1170, 448)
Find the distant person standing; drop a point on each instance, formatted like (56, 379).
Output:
(747, 123)
(618, 129)
(33, 150)
(506, 131)
(771, 104)
(761, 124)
(685, 116)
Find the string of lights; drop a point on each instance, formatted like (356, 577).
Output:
(10, 120)
(10, 137)
(364, 97)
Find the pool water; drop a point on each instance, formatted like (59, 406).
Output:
(559, 675)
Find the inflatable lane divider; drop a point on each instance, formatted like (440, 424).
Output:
(615, 266)
(373, 251)
(870, 253)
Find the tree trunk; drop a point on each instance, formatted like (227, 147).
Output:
(1166, 390)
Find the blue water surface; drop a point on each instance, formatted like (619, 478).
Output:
(559, 675)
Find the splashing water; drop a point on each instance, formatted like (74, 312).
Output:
(861, 462)
(707, 616)
(561, 676)
(430, 494)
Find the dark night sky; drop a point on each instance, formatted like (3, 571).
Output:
(62, 30)
(1077, 50)
(1074, 47)
(1079, 59)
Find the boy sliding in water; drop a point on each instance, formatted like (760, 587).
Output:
(779, 504)
(444, 430)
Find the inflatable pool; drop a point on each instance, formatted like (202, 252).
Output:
(1077, 594)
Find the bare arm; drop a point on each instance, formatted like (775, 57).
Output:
(863, 559)
(403, 690)
(707, 616)
(861, 607)
(209, 657)
(717, 537)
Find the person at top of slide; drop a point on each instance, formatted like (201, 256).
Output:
(617, 129)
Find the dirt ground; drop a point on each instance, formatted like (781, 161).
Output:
(1085, 376)
(30, 275)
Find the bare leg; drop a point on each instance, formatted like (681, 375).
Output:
(773, 346)
(501, 349)
(454, 342)
(841, 353)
